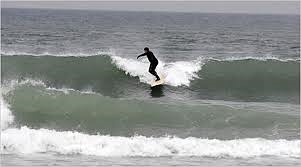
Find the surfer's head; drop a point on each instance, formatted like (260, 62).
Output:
(146, 49)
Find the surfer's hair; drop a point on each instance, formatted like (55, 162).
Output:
(146, 48)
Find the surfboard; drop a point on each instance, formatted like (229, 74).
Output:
(160, 82)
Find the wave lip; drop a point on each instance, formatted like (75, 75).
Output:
(25, 140)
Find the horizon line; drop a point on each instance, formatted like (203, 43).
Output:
(115, 10)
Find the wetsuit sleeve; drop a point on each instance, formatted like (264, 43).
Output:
(141, 55)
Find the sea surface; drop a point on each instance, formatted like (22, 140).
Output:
(74, 94)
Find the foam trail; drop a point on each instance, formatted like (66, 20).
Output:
(176, 73)
(26, 141)
(12, 84)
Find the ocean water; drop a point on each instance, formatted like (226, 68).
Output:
(74, 94)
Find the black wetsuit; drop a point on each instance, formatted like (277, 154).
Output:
(153, 63)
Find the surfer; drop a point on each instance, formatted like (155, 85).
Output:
(153, 62)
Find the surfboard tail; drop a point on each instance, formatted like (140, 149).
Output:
(160, 82)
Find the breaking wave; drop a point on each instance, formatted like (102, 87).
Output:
(249, 79)
(26, 141)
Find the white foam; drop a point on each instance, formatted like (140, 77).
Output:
(176, 73)
(6, 115)
(181, 72)
(26, 141)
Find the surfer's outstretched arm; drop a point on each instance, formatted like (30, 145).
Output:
(144, 54)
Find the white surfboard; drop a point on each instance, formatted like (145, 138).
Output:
(160, 82)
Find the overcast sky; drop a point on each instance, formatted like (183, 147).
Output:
(252, 7)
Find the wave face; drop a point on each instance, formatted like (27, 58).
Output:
(26, 141)
(235, 80)
(250, 79)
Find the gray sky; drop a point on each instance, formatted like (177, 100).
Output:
(252, 7)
